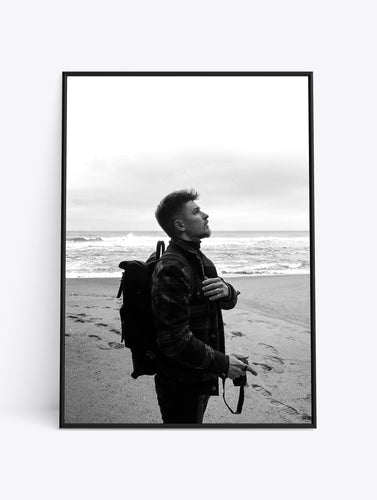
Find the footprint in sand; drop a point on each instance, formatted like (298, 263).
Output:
(308, 397)
(267, 368)
(78, 318)
(237, 334)
(93, 319)
(95, 337)
(103, 346)
(276, 359)
(306, 417)
(261, 390)
(101, 324)
(277, 363)
(110, 345)
(116, 345)
(281, 406)
(269, 347)
(115, 331)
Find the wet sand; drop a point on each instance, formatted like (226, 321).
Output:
(270, 324)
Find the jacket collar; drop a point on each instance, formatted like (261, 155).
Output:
(186, 246)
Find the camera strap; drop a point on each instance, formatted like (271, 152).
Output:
(241, 398)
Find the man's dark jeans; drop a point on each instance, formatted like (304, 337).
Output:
(179, 404)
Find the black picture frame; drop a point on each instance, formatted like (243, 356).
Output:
(66, 77)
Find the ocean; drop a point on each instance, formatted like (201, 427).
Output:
(96, 254)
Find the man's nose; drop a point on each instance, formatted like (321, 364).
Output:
(205, 216)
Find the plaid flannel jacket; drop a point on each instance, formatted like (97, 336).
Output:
(190, 330)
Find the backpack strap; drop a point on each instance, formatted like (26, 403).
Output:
(119, 294)
(160, 249)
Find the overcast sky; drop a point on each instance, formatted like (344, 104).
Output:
(242, 142)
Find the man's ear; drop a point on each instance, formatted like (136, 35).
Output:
(179, 226)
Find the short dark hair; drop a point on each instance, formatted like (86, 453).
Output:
(169, 207)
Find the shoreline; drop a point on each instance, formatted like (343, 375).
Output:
(224, 276)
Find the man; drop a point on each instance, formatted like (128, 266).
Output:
(187, 298)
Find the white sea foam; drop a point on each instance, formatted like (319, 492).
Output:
(234, 253)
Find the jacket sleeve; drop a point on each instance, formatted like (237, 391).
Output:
(232, 298)
(171, 310)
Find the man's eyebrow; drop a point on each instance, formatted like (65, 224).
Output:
(195, 209)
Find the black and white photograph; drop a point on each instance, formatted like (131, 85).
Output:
(187, 250)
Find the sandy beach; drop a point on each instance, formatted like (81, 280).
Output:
(270, 324)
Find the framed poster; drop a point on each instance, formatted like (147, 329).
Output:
(218, 166)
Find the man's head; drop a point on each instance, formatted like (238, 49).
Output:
(180, 217)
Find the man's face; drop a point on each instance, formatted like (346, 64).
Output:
(193, 222)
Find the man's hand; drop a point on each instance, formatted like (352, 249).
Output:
(215, 289)
(238, 366)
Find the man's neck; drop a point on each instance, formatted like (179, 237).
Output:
(186, 238)
(190, 243)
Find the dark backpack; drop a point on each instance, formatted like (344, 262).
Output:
(137, 324)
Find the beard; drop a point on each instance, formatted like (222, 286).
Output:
(206, 233)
